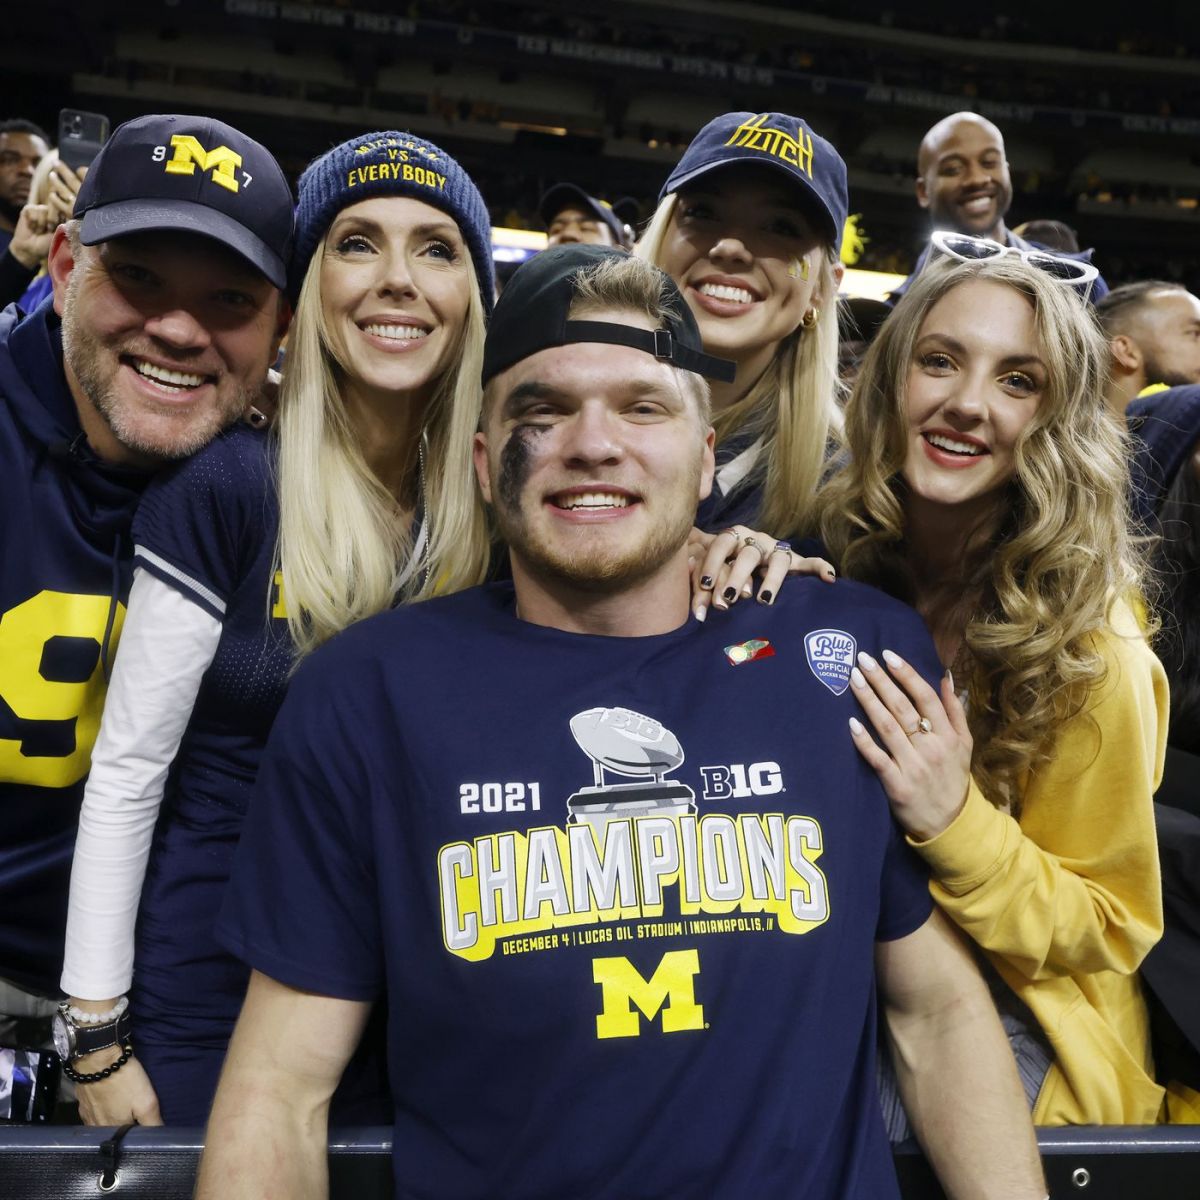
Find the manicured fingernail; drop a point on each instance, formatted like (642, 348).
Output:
(950, 676)
(747, 591)
(766, 597)
(866, 661)
(858, 678)
(856, 727)
(706, 582)
(700, 612)
(729, 595)
(893, 660)
(831, 574)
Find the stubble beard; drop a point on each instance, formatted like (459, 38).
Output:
(10, 210)
(1155, 372)
(598, 569)
(172, 434)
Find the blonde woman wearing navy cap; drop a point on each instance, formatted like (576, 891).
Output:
(251, 554)
(749, 225)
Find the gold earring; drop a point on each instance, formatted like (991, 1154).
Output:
(809, 319)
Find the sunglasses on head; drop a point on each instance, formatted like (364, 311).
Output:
(966, 248)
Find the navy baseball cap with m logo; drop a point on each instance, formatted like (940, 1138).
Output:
(190, 175)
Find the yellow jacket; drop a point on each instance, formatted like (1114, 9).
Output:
(1067, 901)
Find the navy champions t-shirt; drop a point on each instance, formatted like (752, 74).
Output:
(622, 893)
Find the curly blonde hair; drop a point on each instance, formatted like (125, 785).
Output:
(792, 410)
(1061, 551)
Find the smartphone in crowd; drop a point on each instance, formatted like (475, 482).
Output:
(80, 136)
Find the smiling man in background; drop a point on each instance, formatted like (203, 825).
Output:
(963, 182)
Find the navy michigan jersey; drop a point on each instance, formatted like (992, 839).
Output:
(622, 894)
(208, 529)
(65, 573)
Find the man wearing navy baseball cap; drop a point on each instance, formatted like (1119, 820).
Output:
(619, 875)
(571, 216)
(166, 315)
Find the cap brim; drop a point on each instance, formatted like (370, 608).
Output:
(125, 217)
(816, 203)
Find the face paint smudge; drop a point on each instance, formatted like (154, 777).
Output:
(516, 461)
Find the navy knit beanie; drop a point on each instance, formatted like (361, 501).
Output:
(390, 164)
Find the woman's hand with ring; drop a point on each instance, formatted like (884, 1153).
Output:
(723, 565)
(924, 761)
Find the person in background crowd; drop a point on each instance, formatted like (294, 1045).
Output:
(749, 225)
(571, 215)
(157, 338)
(253, 553)
(964, 184)
(376, 860)
(1153, 329)
(1166, 441)
(987, 485)
(22, 146)
(1165, 425)
(23, 274)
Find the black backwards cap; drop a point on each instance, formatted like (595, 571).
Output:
(190, 175)
(531, 315)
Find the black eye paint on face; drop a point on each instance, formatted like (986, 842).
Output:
(516, 461)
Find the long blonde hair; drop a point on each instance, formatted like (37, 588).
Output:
(344, 548)
(792, 410)
(1062, 552)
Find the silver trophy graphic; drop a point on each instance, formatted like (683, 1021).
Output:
(628, 743)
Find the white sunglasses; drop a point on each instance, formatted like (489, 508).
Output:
(965, 248)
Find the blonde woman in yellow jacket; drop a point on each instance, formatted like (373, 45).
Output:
(987, 486)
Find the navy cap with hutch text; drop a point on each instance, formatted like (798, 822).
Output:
(784, 144)
(533, 313)
(181, 174)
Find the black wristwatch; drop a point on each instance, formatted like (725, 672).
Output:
(73, 1040)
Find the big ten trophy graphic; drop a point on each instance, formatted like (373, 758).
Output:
(623, 741)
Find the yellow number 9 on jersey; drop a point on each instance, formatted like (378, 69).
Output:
(25, 632)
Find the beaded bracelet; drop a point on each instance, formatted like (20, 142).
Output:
(79, 1077)
(86, 1018)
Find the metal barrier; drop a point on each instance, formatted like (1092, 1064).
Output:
(1094, 1162)
(67, 1163)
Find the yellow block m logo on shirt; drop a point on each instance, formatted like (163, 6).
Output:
(189, 154)
(672, 988)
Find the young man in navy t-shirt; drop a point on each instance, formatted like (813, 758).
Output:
(623, 878)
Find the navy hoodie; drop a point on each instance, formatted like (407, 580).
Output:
(65, 569)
